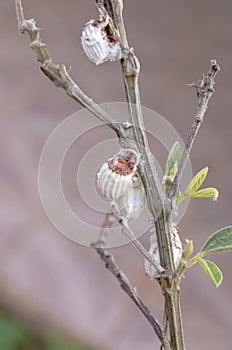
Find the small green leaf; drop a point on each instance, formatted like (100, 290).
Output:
(220, 241)
(212, 270)
(179, 197)
(188, 250)
(173, 160)
(209, 192)
(196, 182)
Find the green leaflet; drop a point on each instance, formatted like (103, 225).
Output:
(196, 182)
(212, 270)
(220, 241)
(209, 192)
(173, 159)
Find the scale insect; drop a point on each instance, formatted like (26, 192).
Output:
(115, 176)
(154, 252)
(98, 43)
(119, 183)
(132, 202)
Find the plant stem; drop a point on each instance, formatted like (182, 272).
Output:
(157, 203)
(172, 301)
(205, 90)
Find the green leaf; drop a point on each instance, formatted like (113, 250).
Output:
(220, 241)
(196, 182)
(173, 159)
(212, 270)
(209, 192)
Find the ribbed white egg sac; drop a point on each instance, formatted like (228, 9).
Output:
(111, 184)
(154, 252)
(132, 202)
(96, 44)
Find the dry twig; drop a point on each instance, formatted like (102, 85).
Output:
(205, 90)
(130, 291)
(130, 234)
(58, 73)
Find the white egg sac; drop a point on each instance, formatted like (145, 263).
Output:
(98, 44)
(132, 202)
(154, 252)
(111, 184)
(115, 176)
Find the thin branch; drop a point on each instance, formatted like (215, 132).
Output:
(130, 234)
(58, 73)
(130, 291)
(106, 227)
(110, 264)
(159, 206)
(205, 90)
(157, 203)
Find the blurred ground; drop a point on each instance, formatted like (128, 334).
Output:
(16, 334)
(56, 281)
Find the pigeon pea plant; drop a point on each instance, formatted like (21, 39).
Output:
(130, 176)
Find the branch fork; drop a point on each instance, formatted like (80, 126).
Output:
(161, 204)
(205, 89)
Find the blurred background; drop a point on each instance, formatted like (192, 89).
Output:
(54, 285)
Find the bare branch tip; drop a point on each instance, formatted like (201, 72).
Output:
(19, 12)
(214, 65)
